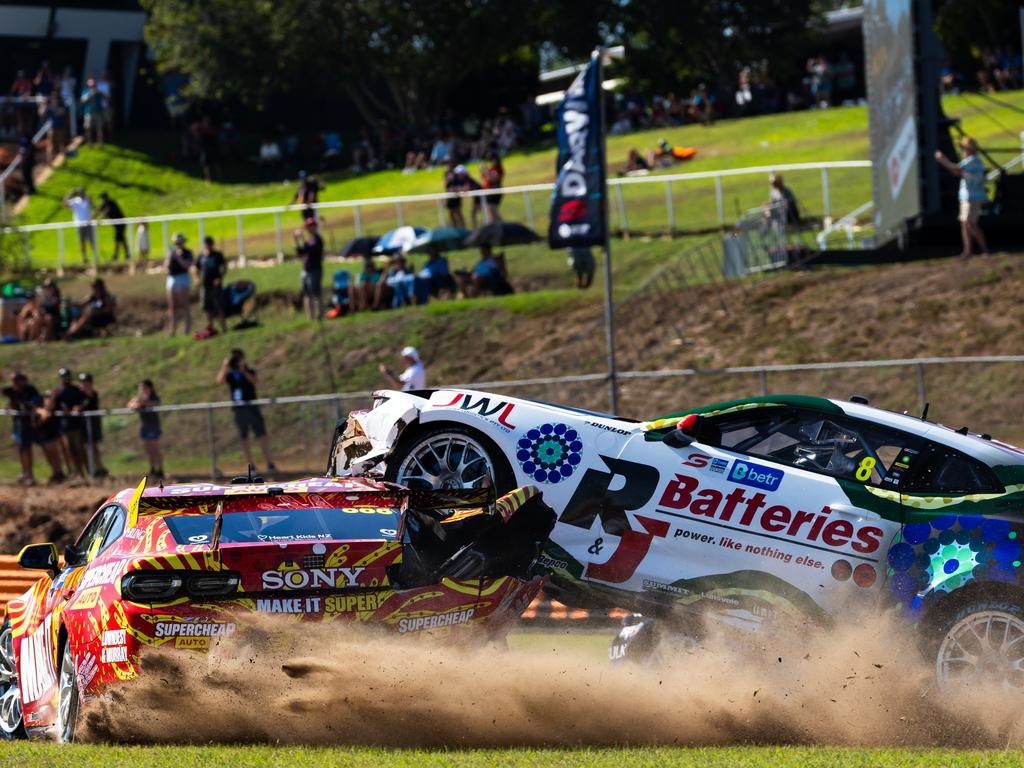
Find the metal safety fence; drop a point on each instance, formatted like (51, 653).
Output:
(659, 204)
(200, 440)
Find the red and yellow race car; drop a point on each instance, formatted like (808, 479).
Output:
(184, 566)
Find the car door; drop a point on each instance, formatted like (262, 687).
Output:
(37, 652)
(773, 510)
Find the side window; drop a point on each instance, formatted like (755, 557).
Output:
(948, 471)
(819, 442)
(115, 529)
(93, 538)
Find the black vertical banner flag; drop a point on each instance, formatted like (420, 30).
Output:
(578, 206)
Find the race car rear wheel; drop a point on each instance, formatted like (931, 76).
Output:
(449, 456)
(68, 703)
(983, 644)
(12, 725)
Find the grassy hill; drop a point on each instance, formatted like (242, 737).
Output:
(143, 173)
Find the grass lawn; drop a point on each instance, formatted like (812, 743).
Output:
(33, 755)
(142, 174)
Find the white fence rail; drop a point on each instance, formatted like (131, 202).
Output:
(428, 209)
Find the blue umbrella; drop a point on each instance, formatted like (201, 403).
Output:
(442, 238)
(395, 240)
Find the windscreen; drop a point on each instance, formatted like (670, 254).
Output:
(281, 526)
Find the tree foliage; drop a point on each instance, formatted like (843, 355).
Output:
(403, 60)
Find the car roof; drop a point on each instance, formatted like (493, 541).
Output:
(992, 452)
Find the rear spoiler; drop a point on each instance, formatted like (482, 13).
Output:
(403, 498)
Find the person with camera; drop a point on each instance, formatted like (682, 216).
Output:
(310, 246)
(241, 382)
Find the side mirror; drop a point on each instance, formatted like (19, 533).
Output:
(40, 557)
(686, 432)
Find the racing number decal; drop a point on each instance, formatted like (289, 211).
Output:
(592, 499)
(863, 473)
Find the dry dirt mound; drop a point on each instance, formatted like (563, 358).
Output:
(30, 515)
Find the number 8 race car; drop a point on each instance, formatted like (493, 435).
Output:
(757, 511)
(186, 566)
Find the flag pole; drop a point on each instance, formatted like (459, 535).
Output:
(609, 306)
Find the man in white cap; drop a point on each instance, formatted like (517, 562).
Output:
(413, 377)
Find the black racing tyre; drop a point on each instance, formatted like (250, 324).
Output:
(12, 725)
(449, 456)
(68, 703)
(980, 643)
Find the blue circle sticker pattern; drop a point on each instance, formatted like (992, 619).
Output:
(549, 453)
(948, 551)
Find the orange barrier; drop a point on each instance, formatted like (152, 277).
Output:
(14, 581)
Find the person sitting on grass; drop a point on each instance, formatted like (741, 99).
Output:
(488, 275)
(96, 312)
(436, 274)
(363, 291)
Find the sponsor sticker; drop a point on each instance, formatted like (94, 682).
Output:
(756, 475)
(193, 629)
(312, 578)
(434, 622)
(719, 466)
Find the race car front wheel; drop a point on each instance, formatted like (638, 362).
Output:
(449, 456)
(983, 644)
(67, 698)
(11, 722)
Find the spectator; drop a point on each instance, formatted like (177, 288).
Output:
(69, 400)
(57, 114)
(488, 276)
(413, 378)
(972, 194)
(744, 94)
(308, 194)
(69, 98)
(50, 304)
(241, 382)
(400, 280)
(845, 73)
(34, 324)
(270, 158)
(27, 153)
(93, 425)
(493, 175)
(702, 106)
(109, 209)
(24, 399)
(636, 164)
(179, 285)
(364, 289)
(105, 87)
(81, 213)
(311, 248)
(441, 152)
(782, 202)
(93, 108)
(453, 184)
(47, 432)
(43, 81)
(211, 266)
(436, 274)
(149, 426)
(582, 261)
(96, 312)
(142, 244)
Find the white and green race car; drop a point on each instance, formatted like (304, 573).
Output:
(760, 510)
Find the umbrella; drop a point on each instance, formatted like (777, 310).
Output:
(359, 246)
(502, 233)
(396, 239)
(442, 238)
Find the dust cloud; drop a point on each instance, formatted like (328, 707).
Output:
(317, 684)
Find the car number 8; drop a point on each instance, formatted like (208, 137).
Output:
(863, 473)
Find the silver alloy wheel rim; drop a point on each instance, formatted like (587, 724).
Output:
(986, 648)
(10, 699)
(67, 698)
(449, 461)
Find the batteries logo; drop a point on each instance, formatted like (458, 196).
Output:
(756, 476)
